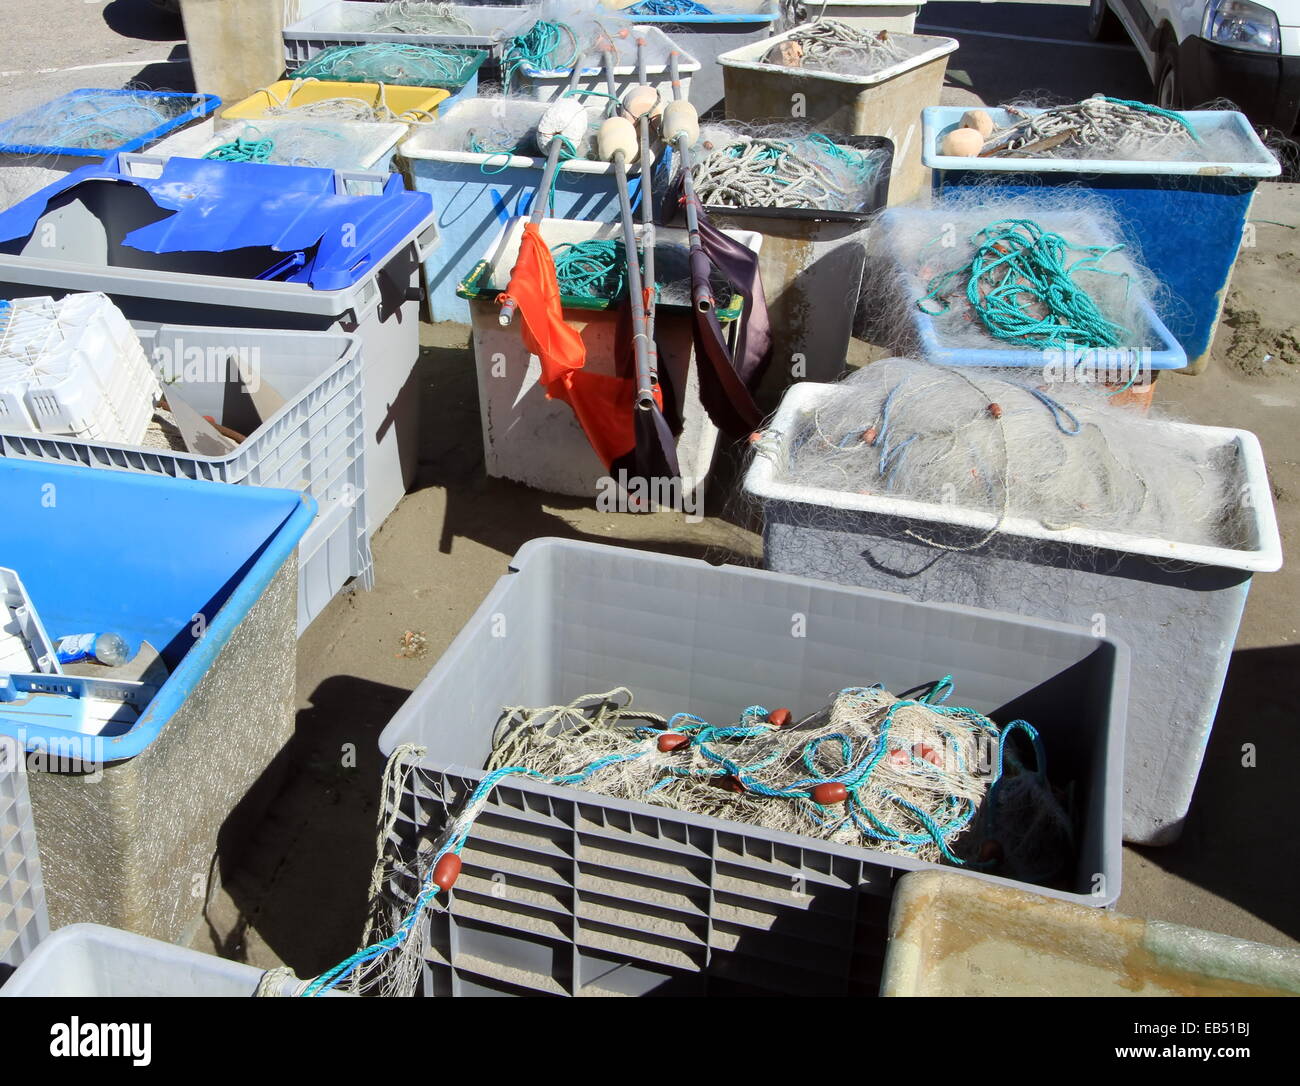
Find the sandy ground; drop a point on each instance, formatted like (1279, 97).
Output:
(297, 895)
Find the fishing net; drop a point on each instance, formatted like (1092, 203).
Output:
(828, 45)
(1010, 446)
(94, 120)
(400, 64)
(565, 34)
(596, 271)
(341, 108)
(909, 776)
(414, 17)
(736, 165)
(986, 271)
(501, 125)
(335, 146)
(1107, 128)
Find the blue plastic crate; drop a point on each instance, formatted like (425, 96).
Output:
(477, 194)
(151, 558)
(203, 105)
(1187, 217)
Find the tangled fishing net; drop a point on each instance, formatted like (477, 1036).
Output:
(342, 108)
(781, 166)
(829, 45)
(336, 146)
(1011, 445)
(95, 120)
(1027, 274)
(400, 64)
(902, 775)
(415, 17)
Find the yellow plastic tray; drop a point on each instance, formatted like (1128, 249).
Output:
(412, 104)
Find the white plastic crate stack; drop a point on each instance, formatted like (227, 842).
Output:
(74, 367)
(24, 921)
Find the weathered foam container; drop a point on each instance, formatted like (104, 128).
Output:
(811, 265)
(537, 441)
(381, 309)
(341, 23)
(548, 84)
(707, 37)
(863, 14)
(370, 147)
(1181, 603)
(885, 103)
(950, 936)
(476, 194)
(569, 892)
(23, 918)
(90, 960)
(131, 825)
(315, 443)
(1186, 217)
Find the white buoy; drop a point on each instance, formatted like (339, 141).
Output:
(681, 119)
(640, 99)
(617, 134)
(962, 143)
(565, 117)
(979, 120)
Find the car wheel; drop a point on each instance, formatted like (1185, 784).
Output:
(1169, 92)
(1103, 24)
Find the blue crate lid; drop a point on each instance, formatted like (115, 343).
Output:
(332, 240)
(143, 555)
(203, 105)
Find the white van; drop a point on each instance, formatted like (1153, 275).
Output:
(1198, 50)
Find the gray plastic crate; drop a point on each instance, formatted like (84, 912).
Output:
(345, 21)
(314, 444)
(93, 960)
(23, 919)
(569, 892)
(381, 309)
(25, 647)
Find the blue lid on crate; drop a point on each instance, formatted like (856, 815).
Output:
(144, 556)
(332, 240)
(99, 110)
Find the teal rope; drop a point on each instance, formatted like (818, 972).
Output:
(1019, 267)
(590, 269)
(541, 49)
(242, 150)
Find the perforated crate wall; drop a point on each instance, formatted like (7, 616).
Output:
(23, 921)
(565, 897)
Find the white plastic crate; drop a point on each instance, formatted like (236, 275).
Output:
(537, 441)
(362, 145)
(24, 644)
(92, 960)
(1178, 604)
(23, 918)
(546, 85)
(315, 443)
(73, 367)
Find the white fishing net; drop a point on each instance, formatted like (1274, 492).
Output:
(740, 165)
(1011, 445)
(95, 120)
(829, 45)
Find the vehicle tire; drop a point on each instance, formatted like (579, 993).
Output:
(1103, 24)
(1169, 88)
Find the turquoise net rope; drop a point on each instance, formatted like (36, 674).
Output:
(1021, 285)
(396, 63)
(667, 7)
(242, 150)
(546, 47)
(595, 270)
